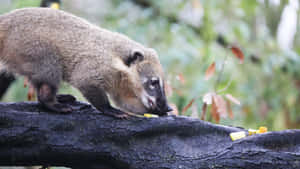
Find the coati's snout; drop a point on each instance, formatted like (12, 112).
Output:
(155, 99)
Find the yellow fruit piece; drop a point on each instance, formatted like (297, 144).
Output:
(237, 135)
(252, 132)
(150, 115)
(54, 5)
(262, 129)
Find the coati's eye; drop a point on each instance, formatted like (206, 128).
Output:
(154, 83)
(135, 56)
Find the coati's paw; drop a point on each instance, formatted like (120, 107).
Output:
(46, 96)
(115, 113)
(122, 116)
(63, 108)
(60, 108)
(65, 98)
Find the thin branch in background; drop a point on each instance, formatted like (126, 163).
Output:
(221, 72)
(227, 85)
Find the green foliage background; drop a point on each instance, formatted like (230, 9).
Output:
(268, 91)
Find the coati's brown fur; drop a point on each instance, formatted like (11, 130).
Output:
(48, 46)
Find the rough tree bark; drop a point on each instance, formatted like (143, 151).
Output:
(87, 139)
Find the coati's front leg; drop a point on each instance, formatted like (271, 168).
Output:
(98, 98)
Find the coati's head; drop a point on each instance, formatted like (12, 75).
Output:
(142, 82)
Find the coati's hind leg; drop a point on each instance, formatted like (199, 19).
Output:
(47, 97)
(44, 72)
(46, 83)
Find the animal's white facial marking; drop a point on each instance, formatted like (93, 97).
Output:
(144, 100)
(161, 83)
(148, 101)
(151, 87)
(144, 80)
(153, 79)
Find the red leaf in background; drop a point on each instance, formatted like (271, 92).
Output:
(25, 82)
(177, 91)
(204, 108)
(210, 71)
(31, 93)
(238, 53)
(196, 4)
(181, 78)
(188, 106)
(232, 99)
(214, 112)
(221, 105)
(230, 113)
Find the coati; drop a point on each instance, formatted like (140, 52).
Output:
(48, 46)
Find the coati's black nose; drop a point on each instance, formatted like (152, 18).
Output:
(163, 108)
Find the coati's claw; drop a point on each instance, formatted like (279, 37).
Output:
(122, 116)
(65, 98)
(60, 108)
(64, 109)
(116, 113)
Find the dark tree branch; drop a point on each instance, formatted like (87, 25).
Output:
(87, 139)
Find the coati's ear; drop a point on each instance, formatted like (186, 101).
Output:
(153, 52)
(134, 57)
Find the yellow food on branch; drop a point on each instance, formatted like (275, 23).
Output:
(54, 6)
(251, 132)
(241, 134)
(262, 129)
(237, 135)
(150, 115)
